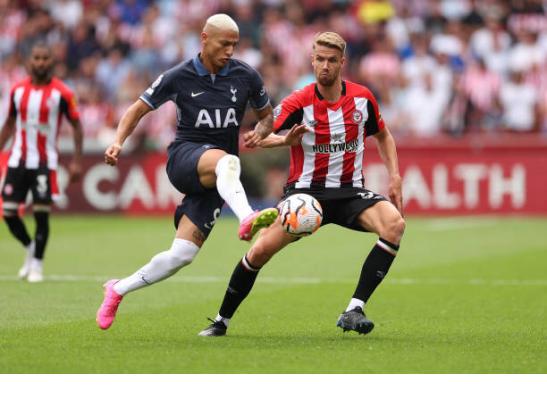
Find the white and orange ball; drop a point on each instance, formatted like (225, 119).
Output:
(300, 214)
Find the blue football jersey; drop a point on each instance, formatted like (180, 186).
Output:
(210, 107)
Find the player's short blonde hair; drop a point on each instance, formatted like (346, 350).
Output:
(223, 22)
(330, 39)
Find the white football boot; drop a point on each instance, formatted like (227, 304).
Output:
(35, 272)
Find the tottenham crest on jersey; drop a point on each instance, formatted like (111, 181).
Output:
(233, 91)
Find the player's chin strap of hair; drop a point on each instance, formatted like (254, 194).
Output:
(41, 208)
(10, 208)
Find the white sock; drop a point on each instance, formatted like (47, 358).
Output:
(222, 319)
(36, 264)
(353, 303)
(229, 186)
(30, 253)
(160, 267)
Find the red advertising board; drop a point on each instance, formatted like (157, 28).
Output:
(438, 179)
(451, 179)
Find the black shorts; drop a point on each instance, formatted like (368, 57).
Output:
(342, 207)
(201, 205)
(41, 182)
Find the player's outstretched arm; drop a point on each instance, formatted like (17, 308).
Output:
(388, 153)
(7, 131)
(127, 124)
(293, 137)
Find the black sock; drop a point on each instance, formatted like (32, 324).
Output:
(241, 283)
(17, 228)
(42, 233)
(375, 268)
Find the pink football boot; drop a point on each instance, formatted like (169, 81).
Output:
(255, 222)
(107, 311)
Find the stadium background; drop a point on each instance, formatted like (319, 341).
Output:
(462, 85)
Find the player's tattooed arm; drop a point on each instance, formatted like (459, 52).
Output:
(262, 129)
(265, 124)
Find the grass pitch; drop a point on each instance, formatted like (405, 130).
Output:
(463, 296)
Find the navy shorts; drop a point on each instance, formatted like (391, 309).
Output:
(201, 205)
(20, 180)
(343, 209)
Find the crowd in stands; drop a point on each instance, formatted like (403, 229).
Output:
(437, 66)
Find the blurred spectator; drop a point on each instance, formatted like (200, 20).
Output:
(112, 71)
(480, 89)
(436, 65)
(519, 101)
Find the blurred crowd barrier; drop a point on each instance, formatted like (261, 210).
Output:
(472, 176)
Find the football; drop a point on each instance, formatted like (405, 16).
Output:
(300, 214)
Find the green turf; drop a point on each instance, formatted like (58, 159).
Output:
(464, 296)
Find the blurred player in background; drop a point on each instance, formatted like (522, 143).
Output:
(37, 104)
(328, 122)
(211, 92)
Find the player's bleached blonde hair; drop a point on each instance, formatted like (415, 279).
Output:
(330, 39)
(223, 22)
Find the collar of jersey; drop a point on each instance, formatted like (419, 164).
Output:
(318, 94)
(202, 71)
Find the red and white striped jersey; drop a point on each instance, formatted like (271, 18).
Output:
(38, 110)
(332, 155)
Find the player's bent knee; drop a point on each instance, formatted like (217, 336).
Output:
(259, 254)
(394, 230)
(183, 252)
(167, 263)
(228, 164)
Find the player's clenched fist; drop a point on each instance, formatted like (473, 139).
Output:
(112, 153)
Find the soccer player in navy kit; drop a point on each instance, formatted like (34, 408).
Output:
(328, 122)
(211, 92)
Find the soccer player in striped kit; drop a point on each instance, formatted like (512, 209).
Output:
(37, 104)
(328, 122)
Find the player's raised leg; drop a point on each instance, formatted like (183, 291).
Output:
(223, 171)
(182, 252)
(385, 220)
(269, 242)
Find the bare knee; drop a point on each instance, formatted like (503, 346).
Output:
(259, 254)
(393, 230)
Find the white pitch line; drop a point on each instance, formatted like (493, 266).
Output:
(280, 280)
(449, 224)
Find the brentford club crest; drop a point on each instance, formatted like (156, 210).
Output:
(8, 189)
(357, 116)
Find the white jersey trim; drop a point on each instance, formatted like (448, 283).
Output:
(360, 105)
(304, 181)
(337, 130)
